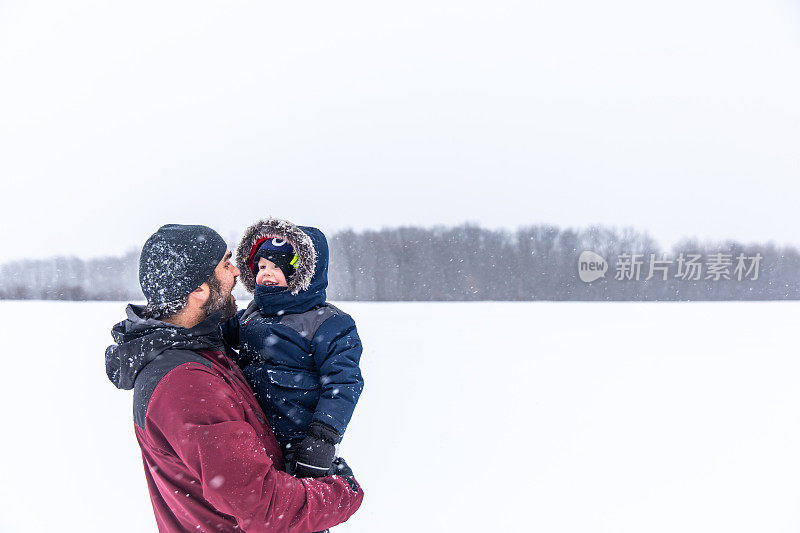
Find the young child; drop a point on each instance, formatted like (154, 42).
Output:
(299, 353)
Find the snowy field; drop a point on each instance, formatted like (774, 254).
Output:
(546, 417)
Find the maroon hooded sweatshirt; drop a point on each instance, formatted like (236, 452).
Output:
(211, 460)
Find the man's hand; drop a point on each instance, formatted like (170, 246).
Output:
(314, 455)
(340, 468)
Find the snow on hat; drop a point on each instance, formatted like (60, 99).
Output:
(176, 260)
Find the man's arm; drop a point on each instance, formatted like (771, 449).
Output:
(200, 417)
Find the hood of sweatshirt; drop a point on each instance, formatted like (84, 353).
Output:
(139, 341)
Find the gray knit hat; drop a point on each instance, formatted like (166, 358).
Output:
(176, 260)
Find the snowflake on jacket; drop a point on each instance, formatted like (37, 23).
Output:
(299, 353)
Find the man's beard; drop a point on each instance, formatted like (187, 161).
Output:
(218, 300)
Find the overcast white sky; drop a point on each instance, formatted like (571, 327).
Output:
(681, 118)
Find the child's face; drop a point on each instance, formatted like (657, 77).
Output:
(269, 274)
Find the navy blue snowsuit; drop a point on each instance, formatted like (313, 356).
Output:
(300, 354)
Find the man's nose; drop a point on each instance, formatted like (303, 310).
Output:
(236, 271)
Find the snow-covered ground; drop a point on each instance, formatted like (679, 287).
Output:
(547, 417)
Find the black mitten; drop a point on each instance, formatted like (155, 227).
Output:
(341, 468)
(314, 455)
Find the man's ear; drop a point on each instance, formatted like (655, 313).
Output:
(200, 295)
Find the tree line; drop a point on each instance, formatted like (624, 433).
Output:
(468, 262)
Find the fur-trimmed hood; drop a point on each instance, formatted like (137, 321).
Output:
(300, 280)
(306, 287)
